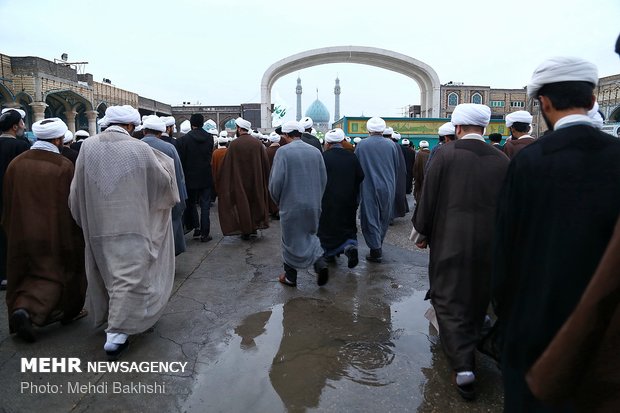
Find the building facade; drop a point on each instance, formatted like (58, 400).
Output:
(46, 89)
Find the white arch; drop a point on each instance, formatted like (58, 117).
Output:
(423, 74)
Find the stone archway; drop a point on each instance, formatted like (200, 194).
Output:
(420, 72)
(614, 116)
(73, 108)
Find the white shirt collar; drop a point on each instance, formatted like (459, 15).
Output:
(525, 136)
(473, 136)
(571, 120)
(45, 146)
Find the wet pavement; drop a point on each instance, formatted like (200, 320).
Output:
(361, 343)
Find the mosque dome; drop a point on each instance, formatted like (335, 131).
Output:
(318, 112)
(230, 124)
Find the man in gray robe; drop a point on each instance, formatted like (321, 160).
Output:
(297, 182)
(121, 195)
(153, 131)
(456, 213)
(380, 159)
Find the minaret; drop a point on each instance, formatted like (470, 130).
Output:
(298, 91)
(337, 94)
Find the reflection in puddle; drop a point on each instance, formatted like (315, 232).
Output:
(311, 353)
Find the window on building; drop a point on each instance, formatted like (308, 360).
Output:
(517, 104)
(453, 99)
(476, 98)
(497, 103)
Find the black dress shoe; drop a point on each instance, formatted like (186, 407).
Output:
(467, 391)
(375, 255)
(352, 258)
(245, 237)
(21, 324)
(196, 234)
(206, 239)
(322, 272)
(115, 354)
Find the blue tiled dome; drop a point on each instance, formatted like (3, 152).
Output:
(318, 112)
(230, 124)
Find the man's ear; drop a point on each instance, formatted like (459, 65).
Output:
(592, 103)
(545, 103)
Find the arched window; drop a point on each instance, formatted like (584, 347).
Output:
(453, 99)
(476, 98)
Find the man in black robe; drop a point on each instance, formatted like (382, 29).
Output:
(11, 127)
(307, 136)
(456, 213)
(337, 226)
(556, 214)
(409, 155)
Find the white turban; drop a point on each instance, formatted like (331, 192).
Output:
(405, 142)
(346, 138)
(224, 134)
(423, 144)
(211, 123)
(213, 132)
(222, 140)
(334, 136)
(396, 136)
(306, 122)
(357, 140)
(138, 128)
(375, 124)
(51, 128)
(256, 134)
(471, 114)
(562, 69)
(274, 137)
(388, 131)
(186, 126)
(168, 120)
(446, 129)
(81, 133)
(596, 117)
(21, 112)
(123, 115)
(68, 137)
(522, 116)
(243, 124)
(103, 122)
(154, 123)
(291, 125)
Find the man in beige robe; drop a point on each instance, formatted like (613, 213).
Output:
(121, 195)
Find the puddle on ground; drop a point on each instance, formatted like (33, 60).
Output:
(311, 353)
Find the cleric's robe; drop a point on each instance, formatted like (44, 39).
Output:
(243, 204)
(456, 212)
(122, 194)
(296, 184)
(45, 270)
(379, 158)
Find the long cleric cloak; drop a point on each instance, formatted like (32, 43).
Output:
(556, 214)
(457, 213)
(296, 184)
(179, 207)
(122, 194)
(46, 273)
(243, 203)
(340, 199)
(379, 158)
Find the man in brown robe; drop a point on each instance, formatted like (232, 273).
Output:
(217, 158)
(519, 123)
(244, 198)
(274, 139)
(418, 169)
(46, 272)
(456, 213)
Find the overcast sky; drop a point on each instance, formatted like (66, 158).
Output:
(216, 52)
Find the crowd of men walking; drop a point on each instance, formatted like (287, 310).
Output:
(523, 232)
